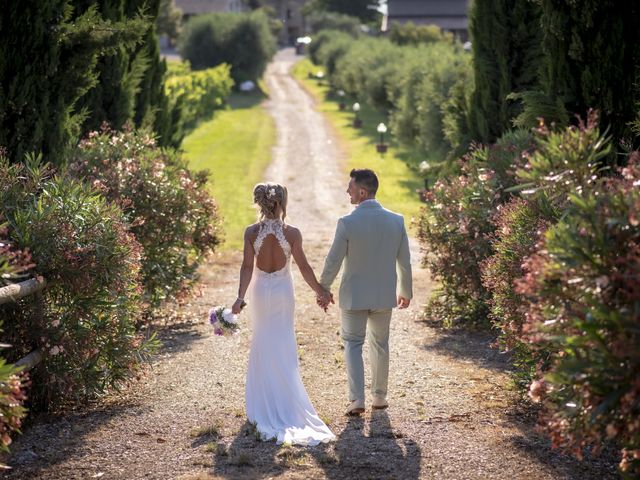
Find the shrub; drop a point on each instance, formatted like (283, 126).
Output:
(169, 210)
(318, 21)
(243, 41)
(198, 93)
(12, 385)
(455, 228)
(433, 80)
(324, 38)
(329, 52)
(411, 34)
(84, 321)
(583, 308)
(367, 70)
(519, 225)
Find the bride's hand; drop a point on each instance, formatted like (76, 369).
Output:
(237, 306)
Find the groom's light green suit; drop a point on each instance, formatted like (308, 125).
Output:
(372, 244)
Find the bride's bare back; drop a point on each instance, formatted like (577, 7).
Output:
(271, 256)
(273, 243)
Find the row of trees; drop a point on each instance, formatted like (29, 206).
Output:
(424, 83)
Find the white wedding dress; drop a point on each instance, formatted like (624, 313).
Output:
(277, 402)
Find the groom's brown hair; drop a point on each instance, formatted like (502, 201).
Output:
(366, 178)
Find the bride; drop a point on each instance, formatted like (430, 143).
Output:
(276, 400)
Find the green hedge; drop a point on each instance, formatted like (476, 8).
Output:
(425, 87)
(242, 40)
(196, 95)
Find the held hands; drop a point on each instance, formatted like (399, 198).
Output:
(324, 299)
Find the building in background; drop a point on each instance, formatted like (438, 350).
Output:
(290, 14)
(449, 15)
(197, 7)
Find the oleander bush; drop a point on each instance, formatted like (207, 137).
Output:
(456, 227)
(242, 40)
(583, 310)
(519, 226)
(84, 321)
(13, 384)
(167, 207)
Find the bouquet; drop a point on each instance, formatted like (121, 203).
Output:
(223, 321)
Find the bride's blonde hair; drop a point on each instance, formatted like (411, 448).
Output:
(268, 197)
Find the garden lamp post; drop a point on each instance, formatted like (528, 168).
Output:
(424, 170)
(357, 123)
(382, 129)
(341, 96)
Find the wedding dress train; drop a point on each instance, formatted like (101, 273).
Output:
(276, 400)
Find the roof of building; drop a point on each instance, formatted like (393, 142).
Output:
(192, 7)
(429, 8)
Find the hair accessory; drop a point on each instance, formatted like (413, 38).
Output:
(271, 192)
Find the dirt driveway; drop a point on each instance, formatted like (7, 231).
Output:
(451, 415)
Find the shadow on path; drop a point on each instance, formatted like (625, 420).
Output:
(382, 454)
(469, 346)
(534, 444)
(55, 440)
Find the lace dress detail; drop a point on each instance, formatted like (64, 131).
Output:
(276, 400)
(274, 227)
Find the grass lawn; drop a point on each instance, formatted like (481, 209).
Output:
(398, 182)
(235, 146)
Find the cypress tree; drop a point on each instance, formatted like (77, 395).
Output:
(47, 62)
(113, 98)
(593, 58)
(506, 59)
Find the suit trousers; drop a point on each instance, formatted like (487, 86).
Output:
(354, 330)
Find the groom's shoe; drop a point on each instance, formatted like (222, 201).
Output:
(379, 403)
(355, 408)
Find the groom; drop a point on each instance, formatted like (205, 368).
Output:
(373, 245)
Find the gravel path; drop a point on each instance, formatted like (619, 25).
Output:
(451, 413)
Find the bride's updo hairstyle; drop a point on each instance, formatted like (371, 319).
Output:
(268, 197)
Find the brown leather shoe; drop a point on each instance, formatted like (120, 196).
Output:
(355, 408)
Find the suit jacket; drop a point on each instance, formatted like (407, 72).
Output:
(372, 243)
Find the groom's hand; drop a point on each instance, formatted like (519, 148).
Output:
(403, 302)
(324, 299)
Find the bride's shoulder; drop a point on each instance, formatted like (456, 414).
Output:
(252, 230)
(291, 232)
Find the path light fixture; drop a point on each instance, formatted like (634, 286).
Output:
(382, 129)
(424, 170)
(357, 123)
(341, 96)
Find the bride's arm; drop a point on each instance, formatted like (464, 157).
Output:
(301, 260)
(246, 270)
